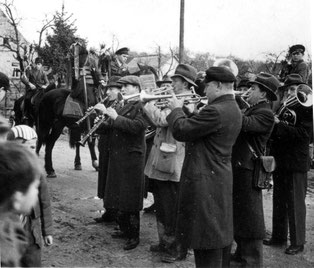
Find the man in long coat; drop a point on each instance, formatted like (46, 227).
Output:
(290, 147)
(112, 90)
(125, 175)
(257, 124)
(204, 220)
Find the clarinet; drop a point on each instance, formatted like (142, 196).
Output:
(103, 119)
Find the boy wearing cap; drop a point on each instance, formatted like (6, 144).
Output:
(290, 146)
(118, 63)
(164, 166)
(297, 64)
(204, 221)
(125, 176)
(257, 124)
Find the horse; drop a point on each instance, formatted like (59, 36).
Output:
(51, 120)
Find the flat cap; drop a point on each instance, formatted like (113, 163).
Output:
(130, 80)
(113, 82)
(123, 50)
(297, 47)
(220, 74)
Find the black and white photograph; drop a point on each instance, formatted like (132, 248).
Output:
(156, 133)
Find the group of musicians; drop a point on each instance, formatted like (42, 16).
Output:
(201, 162)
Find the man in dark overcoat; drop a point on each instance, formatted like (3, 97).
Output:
(290, 147)
(112, 90)
(257, 124)
(204, 221)
(125, 175)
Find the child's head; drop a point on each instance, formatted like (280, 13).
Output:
(20, 172)
(23, 134)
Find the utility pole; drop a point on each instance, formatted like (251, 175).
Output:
(181, 38)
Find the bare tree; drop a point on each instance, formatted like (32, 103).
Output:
(12, 40)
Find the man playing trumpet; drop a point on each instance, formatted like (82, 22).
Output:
(125, 175)
(164, 166)
(204, 220)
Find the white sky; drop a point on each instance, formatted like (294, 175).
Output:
(244, 28)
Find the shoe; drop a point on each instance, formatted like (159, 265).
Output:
(173, 258)
(118, 234)
(293, 250)
(157, 248)
(105, 218)
(274, 242)
(131, 243)
(151, 209)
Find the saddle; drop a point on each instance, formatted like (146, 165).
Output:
(73, 108)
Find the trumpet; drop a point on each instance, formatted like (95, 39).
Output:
(87, 114)
(189, 98)
(240, 98)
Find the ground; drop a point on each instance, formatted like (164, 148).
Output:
(80, 242)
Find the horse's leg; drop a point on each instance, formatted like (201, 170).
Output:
(77, 160)
(91, 146)
(51, 140)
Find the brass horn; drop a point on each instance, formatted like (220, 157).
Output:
(189, 97)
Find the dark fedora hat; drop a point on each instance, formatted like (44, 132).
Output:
(297, 47)
(268, 82)
(165, 80)
(187, 72)
(123, 50)
(113, 82)
(292, 79)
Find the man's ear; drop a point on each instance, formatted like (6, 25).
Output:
(17, 200)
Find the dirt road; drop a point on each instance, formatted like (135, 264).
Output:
(79, 242)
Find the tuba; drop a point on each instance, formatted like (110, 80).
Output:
(302, 97)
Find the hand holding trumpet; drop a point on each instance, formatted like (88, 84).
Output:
(174, 102)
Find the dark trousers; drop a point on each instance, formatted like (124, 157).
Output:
(165, 199)
(250, 251)
(289, 207)
(212, 257)
(129, 223)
